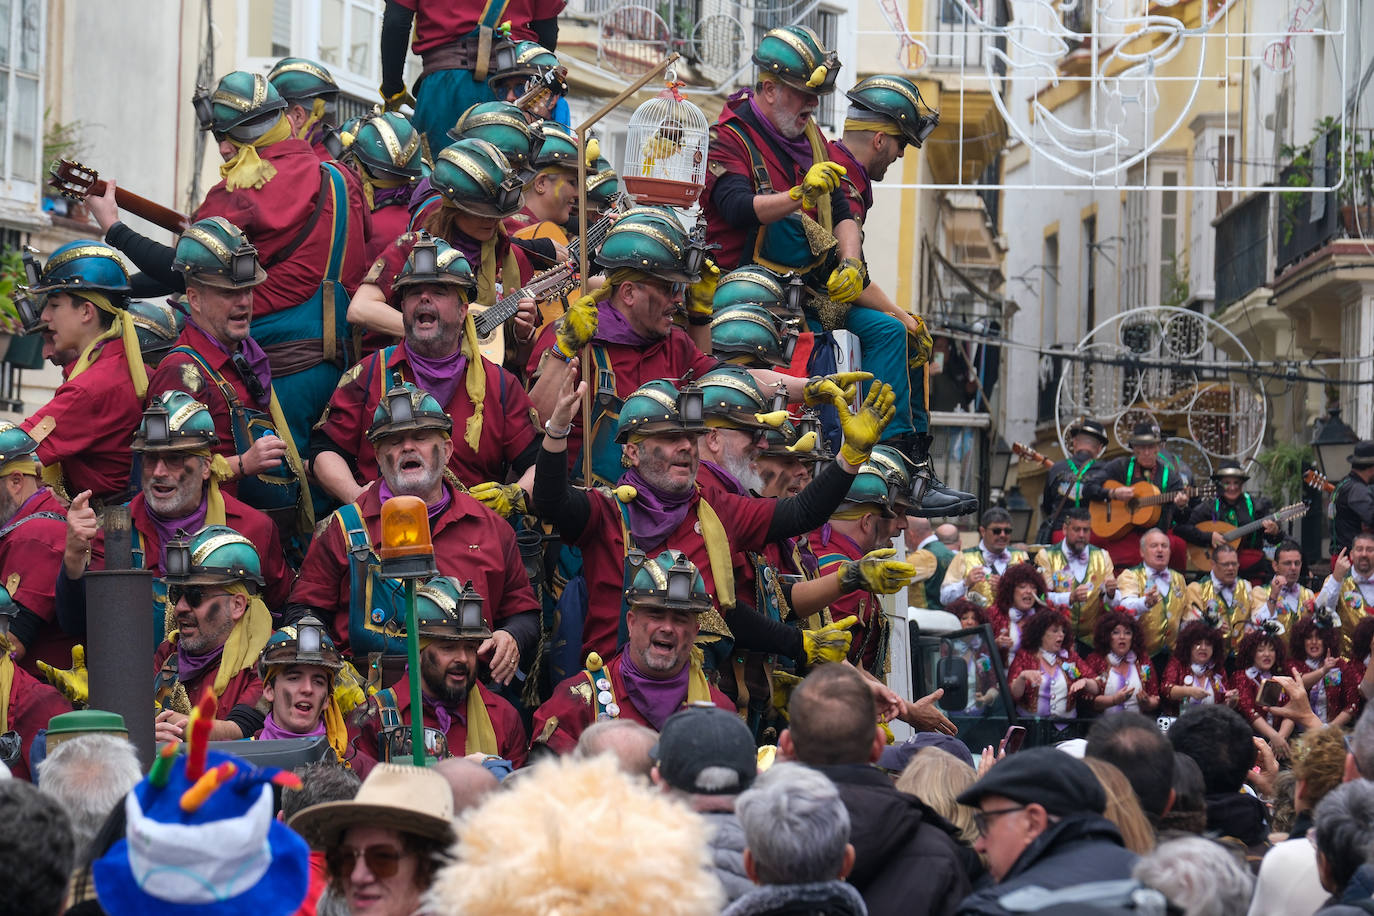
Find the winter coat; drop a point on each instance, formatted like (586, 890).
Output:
(727, 853)
(1355, 899)
(824, 898)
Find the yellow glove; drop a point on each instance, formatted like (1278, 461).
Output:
(821, 179)
(349, 690)
(887, 733)
(394, 101)
(847, 280)
(578, 327)
(783, 682)
(503, 499)
(74, 682)
(830, 643)
(701, 293)
(864, 427)
(843, 386)
(876, 572)
(920, 345)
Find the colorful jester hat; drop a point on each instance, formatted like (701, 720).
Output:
(201, 837)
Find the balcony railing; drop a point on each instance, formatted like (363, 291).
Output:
(1308, 221)
(1242, 250)
(958, 43)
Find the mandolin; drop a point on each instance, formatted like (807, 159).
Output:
(1026, 453)
(1201, 557)
(1113, 518)
(490, 320)
(75, 181)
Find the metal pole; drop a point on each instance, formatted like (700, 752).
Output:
(417, 709)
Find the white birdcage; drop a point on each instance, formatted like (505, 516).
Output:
(665, 149)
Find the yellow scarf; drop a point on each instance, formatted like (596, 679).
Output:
(481, 737)
(475, 382)
(698, 688)
(214, 500)
(486, 271)
(119, 328)
(7, 682)
(246, 640)
(369, 182)
(306, 510)
(818, 154)
(245, 169)
(316, 112)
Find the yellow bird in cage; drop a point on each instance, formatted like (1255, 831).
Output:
(664, 143)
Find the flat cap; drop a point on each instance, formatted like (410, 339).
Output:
(1043, 776)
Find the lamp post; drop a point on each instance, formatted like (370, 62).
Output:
(407, 553)
(1333, 441)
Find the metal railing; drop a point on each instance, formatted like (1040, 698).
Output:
(1242, 250)
(957, 43)
(1308, 221)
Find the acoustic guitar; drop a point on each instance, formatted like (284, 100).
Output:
(1026, 453)
(1201, 557)
(1317, 481)
(75, 181)
(490, 320)
(1114, 518)
(552, 309)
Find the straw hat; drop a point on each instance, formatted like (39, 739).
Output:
(405, 798)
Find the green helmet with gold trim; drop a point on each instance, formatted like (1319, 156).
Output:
(781, 294)
(158, 326)
(731, 399)
(603, 185)
(652, 242)
(800, 438)
(215, 555)
(505, 126)
(897, 100)
(891, 463)
(405, 408)
(669, 581)
(749, 335)
(387, 145)
(85, 264)
(433, 260)
(512, 60)
(243, 106)
(475, 176)
(871, 487)
(558, 149)
(447, 609)
(297, 79)
(306, 642)
(215, 252)
(16, 445)
(795, 55)
(659, 407)
(175, 422)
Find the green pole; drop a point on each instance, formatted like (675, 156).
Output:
(417, 709)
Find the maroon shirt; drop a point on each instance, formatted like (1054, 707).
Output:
(563, 717)
(832, 549)
(508, 421)
(244, 687)
(439, 24)
(388, 224)
(32, 705)
(470, 542)
(365, 728)
(271, 217)
(746, 521)
(97, 414)
(33, 553)
(858, 190)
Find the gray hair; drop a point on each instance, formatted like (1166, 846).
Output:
(795, 826)
(1198, 876)
(1362, 743)
(1147, 534)
(1344, 823)
(628, 742)
(89, 775)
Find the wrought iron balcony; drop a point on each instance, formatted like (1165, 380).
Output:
(1242, 249)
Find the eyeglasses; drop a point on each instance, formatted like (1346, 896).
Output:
(194, 594)
(382, 861)
(980, 818)
(1000, 530)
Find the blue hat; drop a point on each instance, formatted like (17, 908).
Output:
(227, 856)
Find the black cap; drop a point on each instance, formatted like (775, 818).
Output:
(1042, 776)
(1145, 433)
(1363, 455)
(1086, 427)
(703, 737)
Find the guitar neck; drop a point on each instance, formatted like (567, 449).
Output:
(596, 233)
(1160, 499)
(155, 213)
(1281, 516)
(505, 308)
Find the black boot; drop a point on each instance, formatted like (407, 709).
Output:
(930, 498)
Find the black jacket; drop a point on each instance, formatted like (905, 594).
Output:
(824, 898)
(1079, 849)
(906, 862)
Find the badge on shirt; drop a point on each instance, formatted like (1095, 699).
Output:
(190, 377)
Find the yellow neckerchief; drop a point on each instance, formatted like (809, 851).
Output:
(474, 381)
(335, 729)
(6, 681)
(120, 328)
(486, 272)
(698, 688)
(369, 182)
(481, 734)
(246, 640)
(818, 154)
(316, 112)
(214, 500)
(245, 169)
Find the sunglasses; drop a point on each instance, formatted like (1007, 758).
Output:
(382, 861)
(999, 530)
(194, 594)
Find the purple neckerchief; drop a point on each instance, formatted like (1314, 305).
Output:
(424, 189)
(730, 481)
(799, 148)
(828, 532)
(389, 197)
(435, 508)
(19, 513)
(442, 714)
(868, 183)
(653, 514)
(253, 352)
(166, 530)
(190, 667)
(438, 376)
(270, 730)
(655, 699)
(469, 248)
(613, 328)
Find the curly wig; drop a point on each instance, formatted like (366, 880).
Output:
(1305, 627)
(1360, 639)
(1033, 633)
(961, 606)
(1194, 633)
(1245, 652)
(578, 838)
(1102, 633)
(1018, 574)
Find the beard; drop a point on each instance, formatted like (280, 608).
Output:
(743, 470)
(436, 680)
(414, 481)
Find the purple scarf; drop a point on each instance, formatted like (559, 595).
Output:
(614, 328)
(166, 529)
(424, 189)
(438, 376)
(653, 515)
(190, 667)
(387, 197)
(442, 714)
(469, 247)
(435, 508)
(799, 149)
(730, 481)
(270, 730)
(655, 699)
(258, 362)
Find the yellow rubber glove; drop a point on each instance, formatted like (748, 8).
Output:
(876, 572)
(820, 180)
(920, 345)
(864, 427)
(847, 280)
(503, 499)
(349, 690)
(825, 389)
(831, 642)
(578, 327)
(887, 733)
(74, 682)
(396, 100)
(783, 682)
(701, 293)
